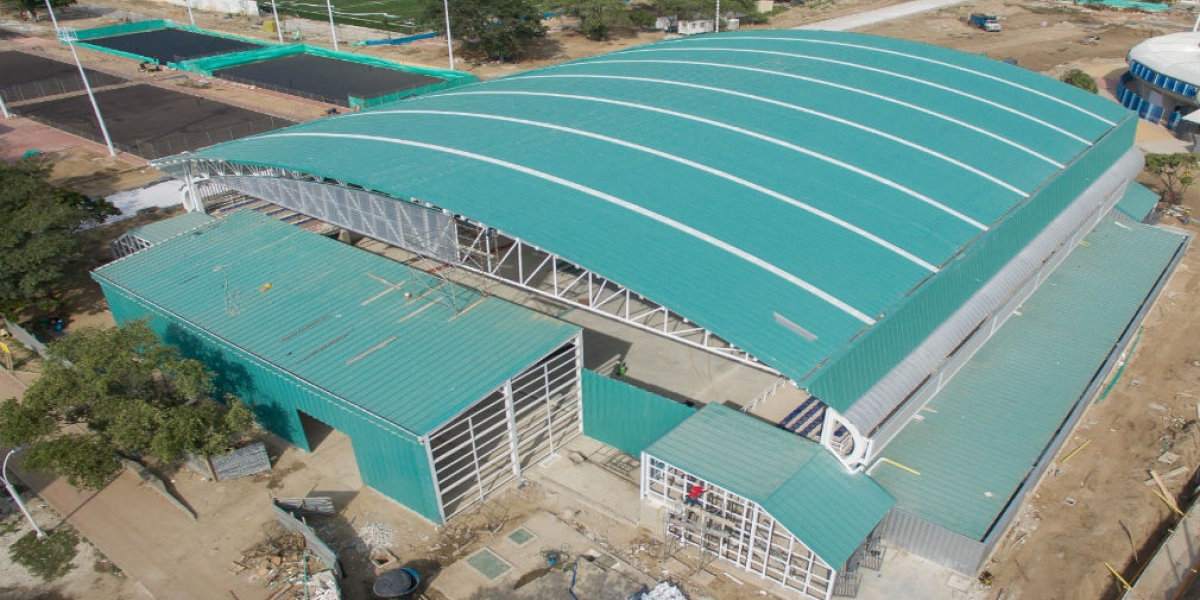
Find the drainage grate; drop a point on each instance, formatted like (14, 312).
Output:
(520, 536)
(488, 564)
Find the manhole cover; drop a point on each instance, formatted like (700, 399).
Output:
(520, 536)
(488, 564)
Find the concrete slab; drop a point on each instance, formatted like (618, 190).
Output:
(905, 575)
(532, 577)
(589, 482)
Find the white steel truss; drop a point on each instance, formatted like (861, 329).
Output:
(516, 426)
(735, 529)
(475, 246)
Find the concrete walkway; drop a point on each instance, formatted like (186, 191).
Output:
(880, 15)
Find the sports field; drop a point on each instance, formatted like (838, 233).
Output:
(393, 15)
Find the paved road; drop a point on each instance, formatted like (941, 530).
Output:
(880, 15)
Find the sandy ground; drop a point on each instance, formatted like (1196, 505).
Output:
(1058, 547)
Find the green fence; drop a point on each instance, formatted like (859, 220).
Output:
(122, 29)
(626, 417)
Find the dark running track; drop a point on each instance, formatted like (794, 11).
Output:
(163, 122)
(171, 45)
(18, 68)
(329, 79)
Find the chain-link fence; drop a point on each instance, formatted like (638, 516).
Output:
(172, 144)
(54, 86)
(345, 102)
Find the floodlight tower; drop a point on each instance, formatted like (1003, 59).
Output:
(13, 492)
(449, 39)
(332, 28)
(278, 29)
(68, 36)
(191, 17)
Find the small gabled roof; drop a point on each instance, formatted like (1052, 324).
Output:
(794, 479)
(336, 317)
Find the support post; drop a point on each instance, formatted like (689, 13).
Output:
(514, 440)
(332, 27)
(4, 109)
(278, 27)
(15, 496)
(717, 18)
(449, 38)
(191, 17)
(53, 19)
(67, 36)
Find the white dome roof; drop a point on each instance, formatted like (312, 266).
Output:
(1176, 55)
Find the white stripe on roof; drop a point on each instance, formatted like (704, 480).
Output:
(875, 95)
(683, 161)
(835, 119)
(700, 235)
(1050, 97)
(885, 72)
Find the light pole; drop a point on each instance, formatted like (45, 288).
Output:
(4, 109)
(449, 39)
(52, 18)
(13, 492)
(717, 18)
(278, 29)
(332, 28)
(68, 36)
(191, 17)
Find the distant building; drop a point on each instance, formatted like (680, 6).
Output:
(1162, 81)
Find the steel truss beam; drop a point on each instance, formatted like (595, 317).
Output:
(489, 252)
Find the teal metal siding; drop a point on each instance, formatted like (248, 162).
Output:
(992, 423)
(793, 478)
(389, 460)
(865, 360)
(626, 417)
(596, 161)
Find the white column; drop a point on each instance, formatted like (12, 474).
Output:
(15, 496)
(332, 27)
(278, 28)
(191, 17)
(68, 35)
(449, 38)
(4, 109)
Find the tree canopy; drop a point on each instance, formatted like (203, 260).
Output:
(33, 6)
(1176, 172)
(37, 226)
(598, 18)
(1081, 80)
(118, 390)
(495, 29)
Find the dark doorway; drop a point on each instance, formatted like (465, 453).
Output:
(315, 430)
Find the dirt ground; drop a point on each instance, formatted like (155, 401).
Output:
(1092, 509)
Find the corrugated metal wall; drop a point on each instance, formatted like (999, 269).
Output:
(853, 372)
(392, 461)
(914, 534)
(625, 417)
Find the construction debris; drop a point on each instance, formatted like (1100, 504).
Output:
(376, 535)
(286, 568)
(663, 591)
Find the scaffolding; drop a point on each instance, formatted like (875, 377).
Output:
(730, 527)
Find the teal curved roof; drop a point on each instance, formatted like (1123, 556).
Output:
(783, 189)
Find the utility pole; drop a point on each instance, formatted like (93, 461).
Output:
(717, 18)
(449, 38)
(191, 17)
(13, 492)
(332, 28)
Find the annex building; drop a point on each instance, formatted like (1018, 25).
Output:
(943, 251)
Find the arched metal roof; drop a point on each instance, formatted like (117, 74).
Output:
(783, 189)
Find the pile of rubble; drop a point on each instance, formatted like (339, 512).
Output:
(286, 568)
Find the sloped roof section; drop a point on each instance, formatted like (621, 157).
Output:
(337, 317)
(794, 479)
(160, 231)
(979, 437)
(783, 189)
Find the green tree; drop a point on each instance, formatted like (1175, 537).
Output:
(1081, 80)
(598, 18)
(37, 226)
(495, 29)
(1176, 172)
(115, 391)
(34, 6)
(692, 9)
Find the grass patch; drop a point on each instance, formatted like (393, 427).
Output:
(48, 558)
